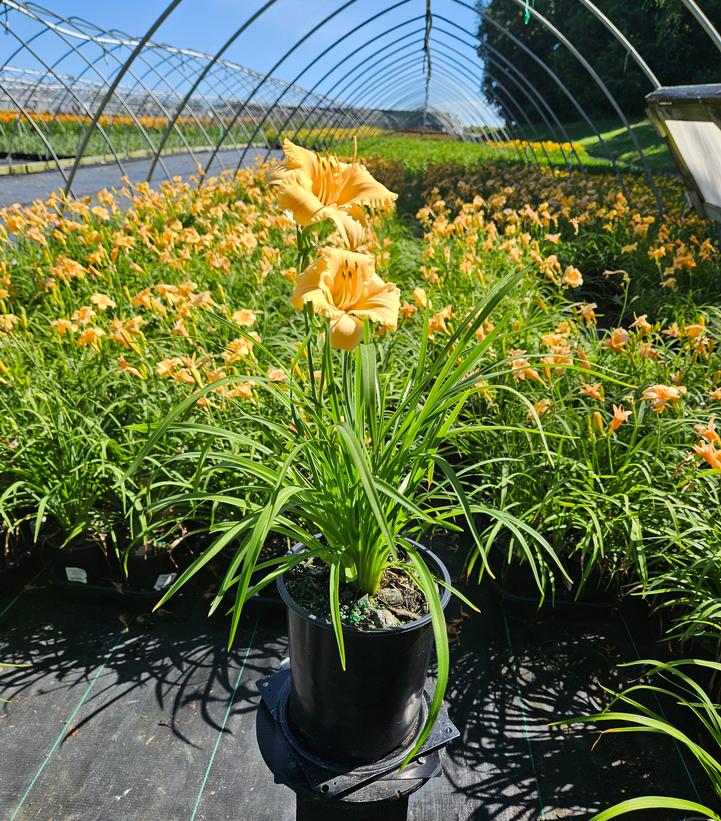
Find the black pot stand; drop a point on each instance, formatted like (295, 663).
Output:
(332, 792)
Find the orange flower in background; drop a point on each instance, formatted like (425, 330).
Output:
(240, 348)
(102, 302)
(572, 277)
(343, 286)
(166, 366)
(708, 452)
(641, 323)
(90, 337)
(708, 431)
(588, 311)
(583, 359)
(276, 375)
(521, 367)
(715, 395)
(420, 297)
(661, 395)
(647, 351)
(620, 415)
(437, 322)
(541, 407)
(245, 317)
(617, 340)
(594, 391)
(243, 391)
(316, 188)
(407, 310)
(63, 326)
(125, 366)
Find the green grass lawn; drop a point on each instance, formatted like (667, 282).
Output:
(618, 143)
(417, 153)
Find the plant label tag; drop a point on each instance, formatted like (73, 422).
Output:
(164, 580)
(76, 574)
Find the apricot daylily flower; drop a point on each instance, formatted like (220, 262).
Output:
(83, 315)
(63, 326)
(124, 365)
(242, 391)
(572, 277)
(617, 340)
(647, 351)
(715, 395)
(407, 309)
(588, 311)
(583, 359)
(316, 188)
(437, 322)
(642, 324)
(420, 297)
(90, 336)
(541, 407)
(238, 349)
(708, 431)
(102, 302)
(594, 391)
(522, 367)
(244, 317)
(707, 451)
(660, 395)
(166, 366)
(343, 286)
(276, 375)
(619, 417)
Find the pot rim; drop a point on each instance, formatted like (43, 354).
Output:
(290, 602)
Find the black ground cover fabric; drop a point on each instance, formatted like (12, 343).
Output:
(137, 717)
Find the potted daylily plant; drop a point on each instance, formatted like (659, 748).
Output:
(353, 478)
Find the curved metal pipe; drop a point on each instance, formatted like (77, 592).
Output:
(113, 86)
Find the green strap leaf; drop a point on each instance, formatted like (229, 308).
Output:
(654, 802)
(427, 583)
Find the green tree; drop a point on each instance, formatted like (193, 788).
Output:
(664, 32)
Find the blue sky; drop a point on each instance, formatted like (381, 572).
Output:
(205, 25)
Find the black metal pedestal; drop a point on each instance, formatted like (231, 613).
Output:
(327, 792)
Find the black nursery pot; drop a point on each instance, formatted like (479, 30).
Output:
(85, 563)
(371, 709)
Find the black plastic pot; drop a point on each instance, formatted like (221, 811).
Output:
(371, 709)
(515, 586)
(85, 563)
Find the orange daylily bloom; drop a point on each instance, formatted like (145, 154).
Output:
(316, 188)
(407, 309)
(102, 302)
(708, 452)
(124, 365)
(641, 323)
(245, 317)
(521, 367)
(617, 340)
(594, 391)
(276, 375)
(660, 395)
(343, 286)
(588, 311)
(708, 431)
(619, 417)
(572, 277)
(419, 294)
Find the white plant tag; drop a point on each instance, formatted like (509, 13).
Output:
(164, 580)
(76, 574)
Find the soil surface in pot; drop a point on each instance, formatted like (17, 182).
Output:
(397, 601)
